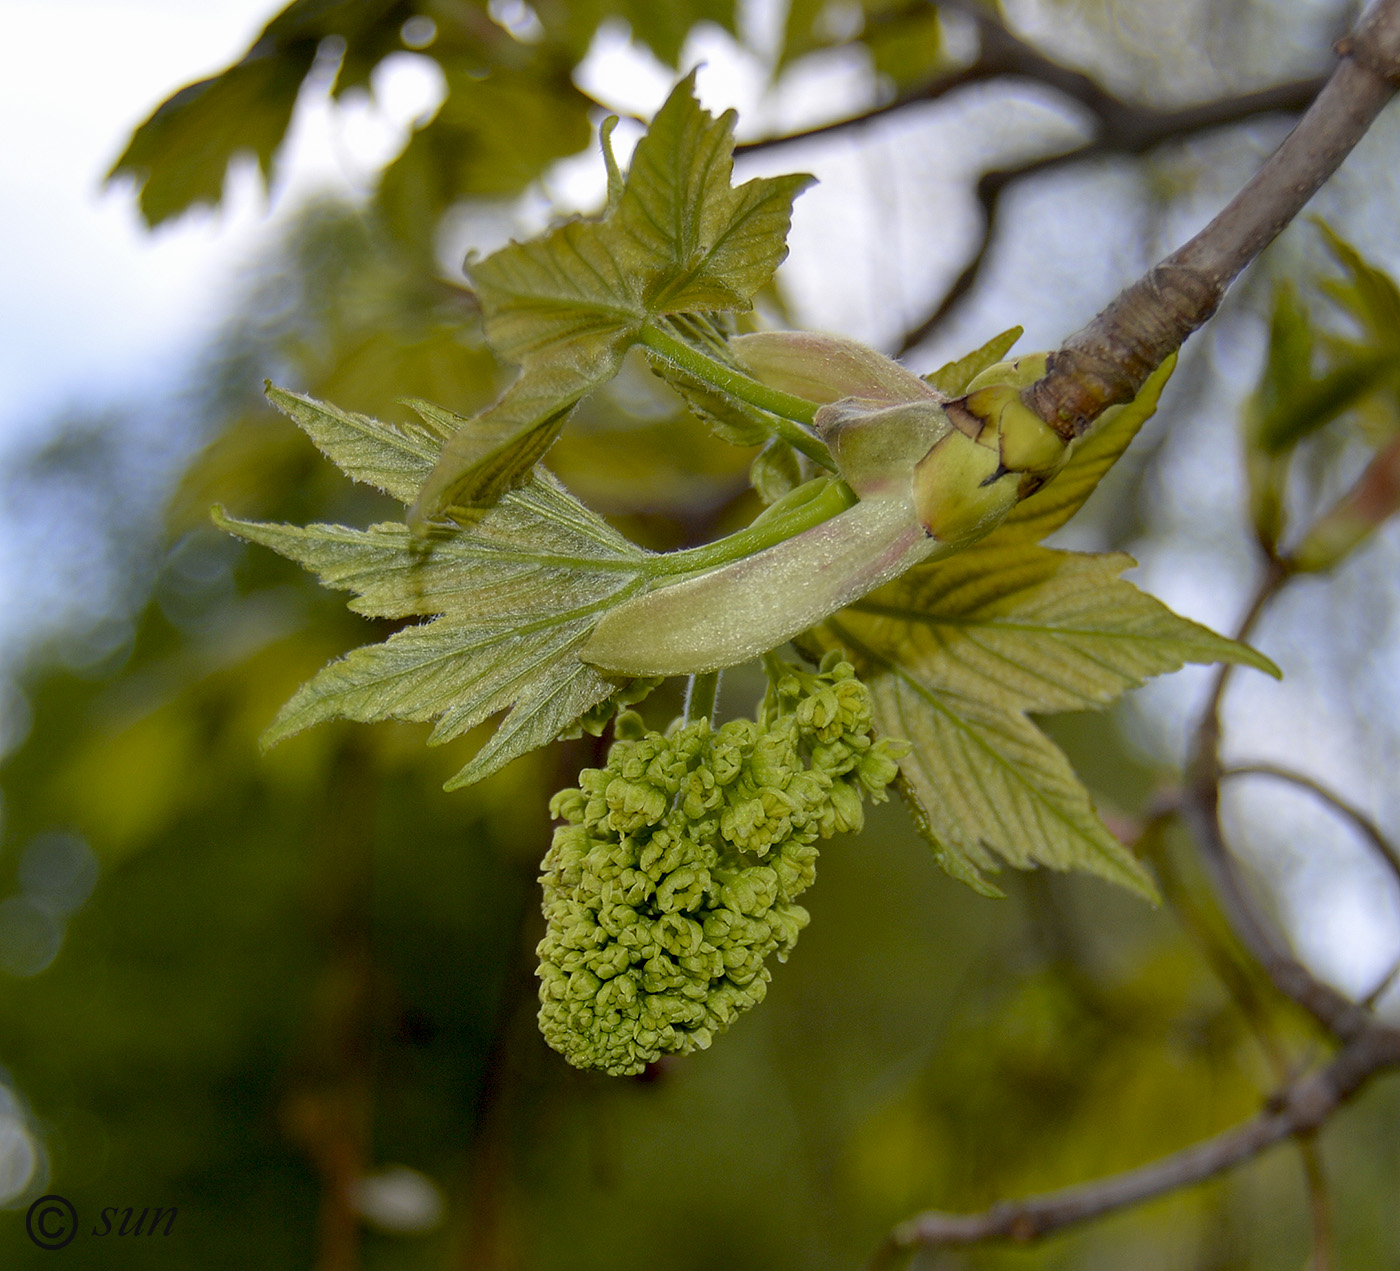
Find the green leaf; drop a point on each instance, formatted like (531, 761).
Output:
(510, 601)
(906, 45)
(699, 243)
(465, 152)
(180, 154)
(566, 306)
(953, 378)
(959, 652)
(663, 28)
(489, 454)
(394, 458)
(1369, 296)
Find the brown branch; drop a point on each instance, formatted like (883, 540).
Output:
(1138, 131)
(975, 73)
(1120, 125)
(1382, 986)
(1106, 363)
(1300, 1108)
(1109, 360)
(1363, 824)
(1319, 1203)
(1225, 960)
(1200, 808)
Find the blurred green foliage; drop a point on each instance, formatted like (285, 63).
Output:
(298, 969)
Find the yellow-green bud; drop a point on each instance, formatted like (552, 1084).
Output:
(957, 491)
(1019, 372)
(1025, 442)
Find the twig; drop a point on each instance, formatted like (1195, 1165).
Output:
(1120, 125)
(1385, 849)
(990, 187)
(1299, 1108)
(1223, 956)
(1200, 808)
(976, 73)
(1382, 986)
(1139, 130)
(1319, 1202)
(1109, 360)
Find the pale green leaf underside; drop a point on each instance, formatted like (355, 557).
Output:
(507, 439)
(958, 652)
(394, 458)
(987, 784)
(517, 593)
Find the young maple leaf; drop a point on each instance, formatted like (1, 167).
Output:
(676, 238)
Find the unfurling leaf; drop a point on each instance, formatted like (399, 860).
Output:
(952, 378)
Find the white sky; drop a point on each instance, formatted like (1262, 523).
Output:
(91, 303)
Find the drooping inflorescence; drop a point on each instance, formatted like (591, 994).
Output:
(678, 867)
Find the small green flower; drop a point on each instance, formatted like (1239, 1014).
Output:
(674, 875)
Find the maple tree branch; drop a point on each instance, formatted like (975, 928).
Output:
(1137, 131)
(1365, 826)
(1120, 125)
(1108, 361)
(1200, 809)
(1298, 1109)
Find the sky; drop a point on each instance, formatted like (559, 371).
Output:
(95, 306)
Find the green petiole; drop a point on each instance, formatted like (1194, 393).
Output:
(792, 416)
(701, 698)
(800, 511)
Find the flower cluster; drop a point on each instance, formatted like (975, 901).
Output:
(676, 872)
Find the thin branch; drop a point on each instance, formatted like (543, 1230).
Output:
(975, 73)
(1319, 1202)
(1200, 808)
(1222, 955)
(1300, 1108)
(1382, 986)
(1137, 131)
(1120, 125)
(1364, 825)
(1109, 360)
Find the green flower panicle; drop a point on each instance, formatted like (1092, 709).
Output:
(676, 872)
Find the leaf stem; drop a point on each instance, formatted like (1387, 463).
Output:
(702, 696)
(793, 416)
(768, 530)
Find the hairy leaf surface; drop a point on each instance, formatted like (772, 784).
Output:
(509, 600)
